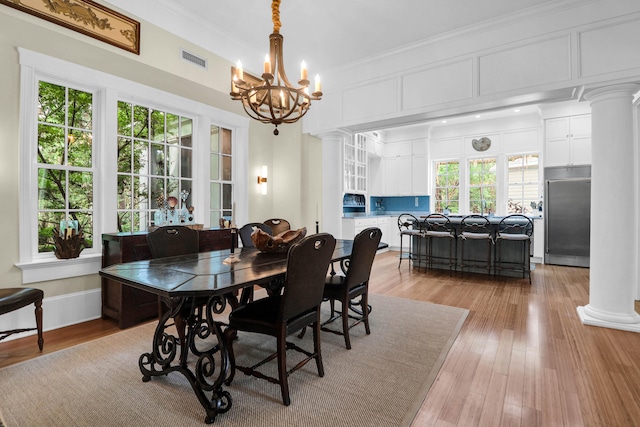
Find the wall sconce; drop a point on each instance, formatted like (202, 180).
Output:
(262, 180)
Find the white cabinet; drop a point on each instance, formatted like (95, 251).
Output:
(538, 240)
(352, 226)
(405, 166)
(355, 164)
(397, 176)
(568, 140)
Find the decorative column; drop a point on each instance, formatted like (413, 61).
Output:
(613, 258)
(332, 164)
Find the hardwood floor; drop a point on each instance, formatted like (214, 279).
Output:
(522, 357)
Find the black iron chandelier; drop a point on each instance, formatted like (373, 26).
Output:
(273, 99)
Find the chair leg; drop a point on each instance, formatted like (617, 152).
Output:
(316, 346)
(400, 261)
(345, 322)
(282, 368)
(39, 323)
(364, 304)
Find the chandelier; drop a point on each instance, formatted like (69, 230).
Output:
(273, 99)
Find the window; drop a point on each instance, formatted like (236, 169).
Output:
(155, 162)
(88, 152)
(221, 175)
(447, 186)
(523, 194)
(482, 185)
(64, 161)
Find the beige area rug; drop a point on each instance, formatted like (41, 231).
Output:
(382, 381)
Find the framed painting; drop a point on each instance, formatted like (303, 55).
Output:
(86, 17)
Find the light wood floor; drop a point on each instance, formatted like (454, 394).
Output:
(522, 357)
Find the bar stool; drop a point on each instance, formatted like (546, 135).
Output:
(514, 228)
(475, 228)
(409, 226)
(440, 228)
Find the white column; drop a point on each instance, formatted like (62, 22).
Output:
(331, 211)
(613, 256)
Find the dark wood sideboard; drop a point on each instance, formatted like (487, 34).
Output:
(130, 306)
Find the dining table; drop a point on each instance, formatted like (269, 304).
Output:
(196, 290)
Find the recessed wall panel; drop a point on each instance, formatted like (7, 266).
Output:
(610, 49)
(372, 100)
(439, 85)
(531, 65)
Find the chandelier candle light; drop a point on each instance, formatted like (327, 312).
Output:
(273, 99)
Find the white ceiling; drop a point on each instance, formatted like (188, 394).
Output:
(327, 34)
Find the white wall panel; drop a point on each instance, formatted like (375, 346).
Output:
(445, 149)
(434, 86)
(538, 63)
(374, 99)
(525, 140)
(610, 49)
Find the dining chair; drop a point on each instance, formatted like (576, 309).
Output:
(246, 230)
(282, 315)
(353, 284)
(12, 299)
(514, 228)
(278, 225)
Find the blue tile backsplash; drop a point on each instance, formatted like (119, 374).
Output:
(399, 204)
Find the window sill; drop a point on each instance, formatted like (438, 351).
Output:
(53, 268)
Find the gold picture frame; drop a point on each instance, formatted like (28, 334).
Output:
(86, 17)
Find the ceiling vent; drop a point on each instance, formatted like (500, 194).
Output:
(194, 59)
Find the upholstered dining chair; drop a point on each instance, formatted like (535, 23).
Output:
(278, 225)
(12, 299)
(355, 283)
(246, 230)
(282, 315)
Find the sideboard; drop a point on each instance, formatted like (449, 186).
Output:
(130, 306)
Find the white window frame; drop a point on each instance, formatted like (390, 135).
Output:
(107, 90)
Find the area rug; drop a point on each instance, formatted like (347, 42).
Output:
(381, 381)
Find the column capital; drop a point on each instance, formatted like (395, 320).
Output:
(604, 92)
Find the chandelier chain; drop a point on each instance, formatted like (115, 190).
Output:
(275, 12)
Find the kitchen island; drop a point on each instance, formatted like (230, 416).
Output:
(512, 251)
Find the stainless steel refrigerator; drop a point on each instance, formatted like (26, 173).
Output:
(567, 215)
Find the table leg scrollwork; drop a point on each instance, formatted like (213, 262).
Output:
(189, 325)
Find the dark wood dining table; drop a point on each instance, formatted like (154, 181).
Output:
(195, 288)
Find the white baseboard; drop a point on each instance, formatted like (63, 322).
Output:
(57, 312)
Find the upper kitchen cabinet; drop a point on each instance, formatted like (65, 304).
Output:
(355, 164)
(405, 168)
(568, 140)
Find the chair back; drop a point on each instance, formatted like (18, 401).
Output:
(246, 230)
(408, 222)
(475, 224)
(516, 224)
(173, 241)
(438, 223)
(278, 225)
(307, 265)
(365, 246)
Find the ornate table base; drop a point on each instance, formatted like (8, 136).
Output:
(195, 328)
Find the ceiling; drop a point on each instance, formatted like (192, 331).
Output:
(327, 34)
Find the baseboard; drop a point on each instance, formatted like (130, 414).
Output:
(57, 312)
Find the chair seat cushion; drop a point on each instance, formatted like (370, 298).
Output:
(439, 234)
(335, 286)
(15, 298)
(261, 317)
(411, 232)
(479, 236)
(513, 236)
